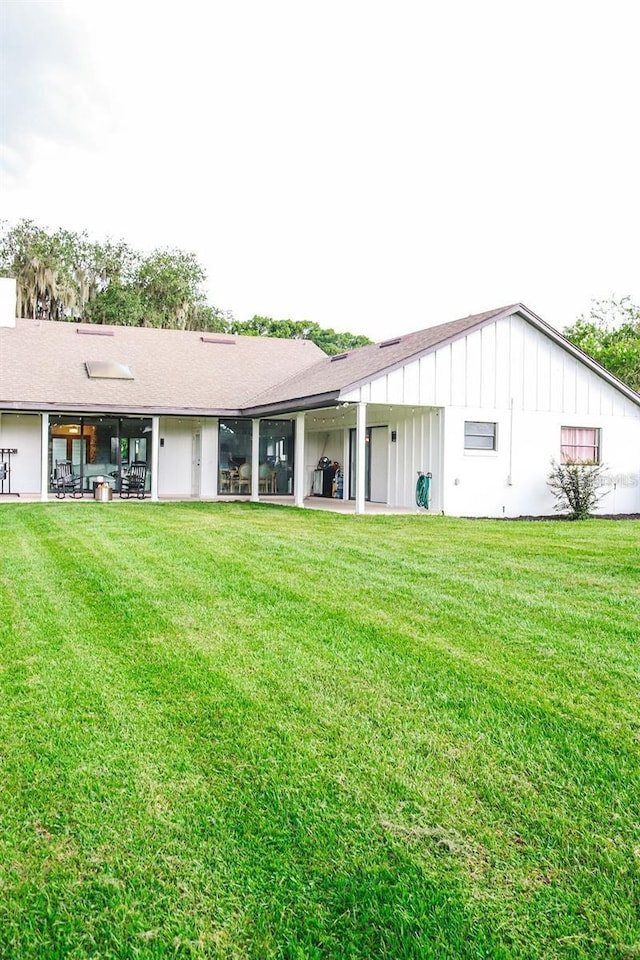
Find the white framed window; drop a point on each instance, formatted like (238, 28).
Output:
(480, 435)
(580, 444)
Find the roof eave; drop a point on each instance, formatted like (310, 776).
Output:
(295, 405)
(102, 408)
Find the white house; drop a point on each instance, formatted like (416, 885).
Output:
(482, 404)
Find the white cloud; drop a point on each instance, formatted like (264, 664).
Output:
(370, 166)
(48, 86)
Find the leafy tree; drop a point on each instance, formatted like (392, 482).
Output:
(211, 319)
(266, 327)
(611, 335)
(106, 263)
(169, 285)
(65, 276)
(327, 339)
(119, 304)
(47, 268)
(59, 274)
(333, 342)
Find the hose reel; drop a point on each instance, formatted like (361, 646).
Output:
(423, 486)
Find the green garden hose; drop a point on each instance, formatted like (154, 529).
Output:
(422, 490)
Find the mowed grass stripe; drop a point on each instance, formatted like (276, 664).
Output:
(75, 910)
(346, 734)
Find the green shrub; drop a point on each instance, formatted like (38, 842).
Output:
(576, 485)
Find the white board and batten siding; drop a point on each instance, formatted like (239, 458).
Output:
(504, 361)
(512, 374)
(416, 449)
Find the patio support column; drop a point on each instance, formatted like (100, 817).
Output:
(155, 455)
(346, 463)
(361, 434)
(255, 459)
(44, 459)
(299, 477)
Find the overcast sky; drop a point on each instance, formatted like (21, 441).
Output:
(375, 167)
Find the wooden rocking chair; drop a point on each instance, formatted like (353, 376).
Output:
(133, 482)
(65, 480)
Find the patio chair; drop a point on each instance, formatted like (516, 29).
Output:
(65, 481)
(133, 482)
(224, 483)
(244, 477)
(267, 478)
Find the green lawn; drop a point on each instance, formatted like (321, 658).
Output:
(240, 731)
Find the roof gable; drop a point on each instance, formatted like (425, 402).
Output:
(332, 374)
(331, 377)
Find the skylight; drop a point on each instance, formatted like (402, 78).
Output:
(108, 370)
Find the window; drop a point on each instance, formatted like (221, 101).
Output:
(479, 435)
(580, 444)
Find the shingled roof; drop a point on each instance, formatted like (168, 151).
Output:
(43, 366)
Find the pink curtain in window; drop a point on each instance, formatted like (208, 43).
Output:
(579, 443)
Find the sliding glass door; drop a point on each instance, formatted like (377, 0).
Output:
(100, 448)
(275, 457)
